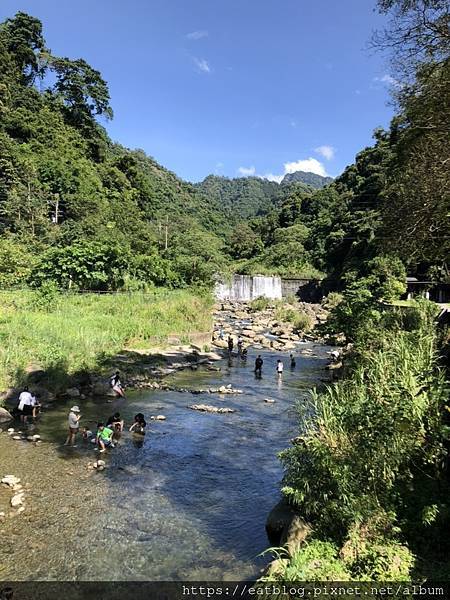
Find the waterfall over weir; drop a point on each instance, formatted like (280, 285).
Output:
(247, 287)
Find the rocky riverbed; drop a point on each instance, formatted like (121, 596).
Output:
(263, 328)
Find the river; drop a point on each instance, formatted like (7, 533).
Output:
(190, 502)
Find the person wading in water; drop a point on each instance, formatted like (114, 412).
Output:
(258, 365)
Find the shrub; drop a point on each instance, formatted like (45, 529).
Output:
(365, 435)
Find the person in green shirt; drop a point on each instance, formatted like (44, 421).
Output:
(104, 437)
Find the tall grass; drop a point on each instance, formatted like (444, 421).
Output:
(367, 469)
(75, 332)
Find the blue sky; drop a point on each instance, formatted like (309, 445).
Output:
(232, 87)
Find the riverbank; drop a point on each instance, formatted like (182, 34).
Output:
(55, 340)
(188, 502)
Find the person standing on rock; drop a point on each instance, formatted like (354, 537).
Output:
(25, 407)
(230, 344)
(280, 367)
(74, 425)
(116, 384)
(258, 366)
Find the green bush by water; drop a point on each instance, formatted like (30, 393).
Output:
(367, 472)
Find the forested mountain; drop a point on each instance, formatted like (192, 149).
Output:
(242, 197)
(70, 198)
(317, 182)
(81, 211)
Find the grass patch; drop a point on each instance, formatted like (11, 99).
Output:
(73, 333)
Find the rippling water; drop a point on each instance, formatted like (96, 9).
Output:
(190, 502)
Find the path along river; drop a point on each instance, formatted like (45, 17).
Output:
(190, 502)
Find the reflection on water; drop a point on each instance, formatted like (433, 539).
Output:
(190, 500)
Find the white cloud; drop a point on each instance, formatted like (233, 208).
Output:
(325, 151)
(310, 165)
(272, 177)
(197, 35)
(202, 65)
(246, 171)
(388, 80)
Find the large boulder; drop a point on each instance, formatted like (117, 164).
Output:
(295, 534)
(73, 392)
(5, 415)
(279, 518)
(102, 388)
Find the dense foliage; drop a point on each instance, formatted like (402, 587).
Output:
(74, 207)
(370, 468)
(70, 199)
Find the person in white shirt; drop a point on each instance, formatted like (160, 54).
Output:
(280, 367)
(25, 406)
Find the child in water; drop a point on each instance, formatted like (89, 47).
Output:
(139, 424)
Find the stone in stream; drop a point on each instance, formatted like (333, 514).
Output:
(269, 400)
(73, 392)
(11, 430)
(5, 415)
(158, 418)
(10, 480)
(17, 500)
(211, 409)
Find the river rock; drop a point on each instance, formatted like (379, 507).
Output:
(211, 409)
(5, 415)
(73, 392)
(277, 567)
(11, 430)
(17, 437)
(279, 518)
(17, 500)
(295, 534)
(159, 418)
(102, 388)
(10, 480)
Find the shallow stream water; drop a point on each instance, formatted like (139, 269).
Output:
(189, 502)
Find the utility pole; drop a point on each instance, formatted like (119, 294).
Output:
(167, 233)
(56, 208)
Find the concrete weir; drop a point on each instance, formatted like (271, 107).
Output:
(244, 288)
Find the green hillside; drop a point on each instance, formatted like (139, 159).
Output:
(317, 182)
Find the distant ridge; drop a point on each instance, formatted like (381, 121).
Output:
(315, 181)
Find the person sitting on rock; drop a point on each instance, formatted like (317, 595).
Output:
(139, 424)
(115, 422)
(104, 437)
(116, 384)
